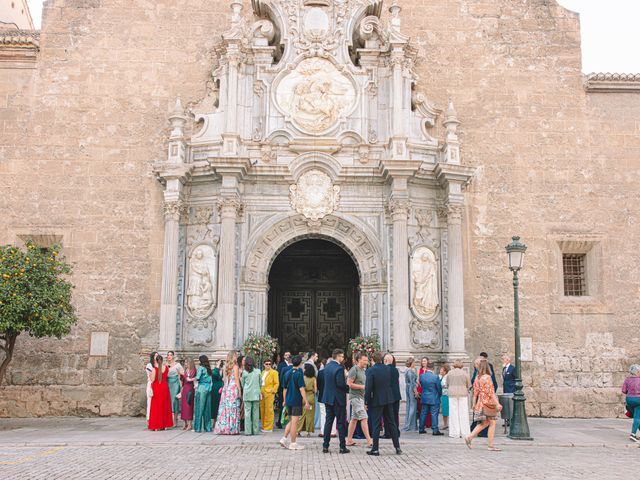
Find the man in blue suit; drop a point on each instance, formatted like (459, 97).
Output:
(430, 399)
(508, 375)
(378, 397)
(334, 397)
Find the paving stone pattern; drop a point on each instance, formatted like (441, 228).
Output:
(269, 461)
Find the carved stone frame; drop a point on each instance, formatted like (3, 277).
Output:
(436, 319)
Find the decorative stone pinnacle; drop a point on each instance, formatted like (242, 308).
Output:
(236, 9)
(451, 115)
(395, 10)
(451, 122)
(177, 119)
(178, 111)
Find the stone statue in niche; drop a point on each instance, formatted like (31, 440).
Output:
(424, 273)
(201, 288)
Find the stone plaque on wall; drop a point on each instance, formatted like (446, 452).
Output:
(526, 349)
(99, 346)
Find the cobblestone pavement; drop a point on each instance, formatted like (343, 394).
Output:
(81, 451)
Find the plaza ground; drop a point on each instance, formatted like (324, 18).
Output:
(121, 448)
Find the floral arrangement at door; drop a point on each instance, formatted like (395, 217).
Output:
(260, 347)
(368, 344)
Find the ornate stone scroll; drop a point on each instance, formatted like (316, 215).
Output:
(314, 196)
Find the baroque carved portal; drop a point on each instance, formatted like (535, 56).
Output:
(314, 196)
(315, 95)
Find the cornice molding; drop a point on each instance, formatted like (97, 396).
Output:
(612, 82)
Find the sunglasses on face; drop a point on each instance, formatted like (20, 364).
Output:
(268, 363)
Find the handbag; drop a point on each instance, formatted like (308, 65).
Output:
(490, 410)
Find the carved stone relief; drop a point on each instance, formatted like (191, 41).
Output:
(424, 278)
(426, 326)
(316, 95)
(314, 195)
(202, 281)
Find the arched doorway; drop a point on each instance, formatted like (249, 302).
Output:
(313, 297)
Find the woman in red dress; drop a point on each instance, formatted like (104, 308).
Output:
(160, 416)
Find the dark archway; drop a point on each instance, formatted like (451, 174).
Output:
(313, 297)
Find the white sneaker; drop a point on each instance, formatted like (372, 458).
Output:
(284, 443)
(634, 438)
(265, 431)
(295, 446)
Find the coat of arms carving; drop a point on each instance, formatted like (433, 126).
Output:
(314, 195)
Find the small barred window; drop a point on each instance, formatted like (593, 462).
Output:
(573, 266)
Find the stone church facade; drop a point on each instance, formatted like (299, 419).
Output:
(316, 169)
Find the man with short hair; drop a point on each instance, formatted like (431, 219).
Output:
(270, 386)
(508, 375)
(430, 399)
(485, 355)
(294, 395)
(356, 382)
(312, 358)
(283, 366)
(334, 397)
(378, 397)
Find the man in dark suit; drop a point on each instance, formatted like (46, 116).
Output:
(493, 373)
(390, 361)
(378, 397)
(508, 375)
(334, 397)
(430, 399)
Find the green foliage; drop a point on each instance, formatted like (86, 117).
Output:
(35, 293)
(260, 347)
(368, 344)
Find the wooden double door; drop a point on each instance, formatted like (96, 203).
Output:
(313, 299)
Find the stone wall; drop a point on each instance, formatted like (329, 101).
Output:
(555, 164)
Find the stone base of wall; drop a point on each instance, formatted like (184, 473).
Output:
(63, 400)
(82, 401)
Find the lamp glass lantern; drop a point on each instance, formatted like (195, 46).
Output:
(516, 250)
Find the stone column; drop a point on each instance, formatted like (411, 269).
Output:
(399, 209)
(455, 297)
(229, 208)
(169, 295)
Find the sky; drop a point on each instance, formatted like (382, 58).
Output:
(610, 37)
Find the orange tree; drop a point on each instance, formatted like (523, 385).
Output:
(35, 296)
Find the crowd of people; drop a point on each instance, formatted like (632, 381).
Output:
(322, 395)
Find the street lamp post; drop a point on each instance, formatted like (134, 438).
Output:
(519, 428)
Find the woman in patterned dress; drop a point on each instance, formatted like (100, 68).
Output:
(485, 404)
(228, 422)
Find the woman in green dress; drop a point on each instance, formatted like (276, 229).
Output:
(175, 386)
(306, 423)
(216, 374)
(202, 413)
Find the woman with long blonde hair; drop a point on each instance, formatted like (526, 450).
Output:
(228, 422)
(485, 405)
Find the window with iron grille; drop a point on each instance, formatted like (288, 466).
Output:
(575, 282)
